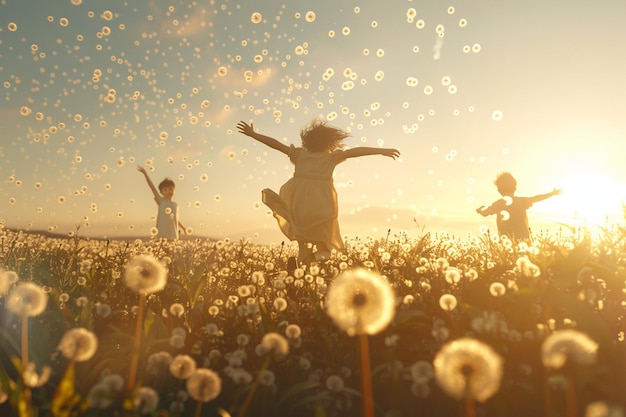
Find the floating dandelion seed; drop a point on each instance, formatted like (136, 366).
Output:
(310, 16)
(360, 302)
(256, 17)
(468, 366)
(497, 115)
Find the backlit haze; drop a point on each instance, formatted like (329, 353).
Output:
(465, 89)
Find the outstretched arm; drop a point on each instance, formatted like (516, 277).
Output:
(364, 151)
(542, 197)
(248, 130)
(157, 196)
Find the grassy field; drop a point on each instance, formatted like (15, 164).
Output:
(477, 327)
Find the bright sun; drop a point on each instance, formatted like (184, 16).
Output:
(588, 198)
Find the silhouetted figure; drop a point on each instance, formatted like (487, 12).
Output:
(167, 217)
(306, 207)
(512, 220)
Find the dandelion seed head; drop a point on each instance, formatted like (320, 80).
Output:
(145, 274)
(78, 344)
(274, 344)
(470, 365)
(27, 299)
(182, 366)
(204, 385)
(360, 301)
(568, 345)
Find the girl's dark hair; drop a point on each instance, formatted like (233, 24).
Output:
(166, 183)
(319, 137)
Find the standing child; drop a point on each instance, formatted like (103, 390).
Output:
(306, 206)
(167, 216)
(512, 220)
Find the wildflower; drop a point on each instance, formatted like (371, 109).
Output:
(177, 341)
(146, 400)
(524, 266)
(280, 304)
(570, 344)
(240, 376)
(244, 291)
(468, 367)
(448, 302)
(113, 381)
(27, 299)
(293, 331)
(78, 344)
(158, 360)
(204, 385)
(214, 310)
(32, 378)
(497, 289)
(5, 281)
(267, 378)
(144, 274)
(177, 309)
(360, 302)
(422, 371)
(100, 397)
(452, 275)
(182, 366)
(82, 301)
(273, 343)
(103, 310)
(335, 383)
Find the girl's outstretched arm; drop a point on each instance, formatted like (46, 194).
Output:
(157, 196)
(364, 151)
(248, 130)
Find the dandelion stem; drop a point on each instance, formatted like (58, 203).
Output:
(366, 377)
(27, 411)
(198, 409)
(570, 395)
(470, 407)
(24, 341)
(134, 362)
(255, 385)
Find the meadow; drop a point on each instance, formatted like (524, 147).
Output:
(215, 328)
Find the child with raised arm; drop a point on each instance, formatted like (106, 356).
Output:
(306, 206)
(167, 217)
(512, 220)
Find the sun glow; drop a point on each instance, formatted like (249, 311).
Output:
(588, 198)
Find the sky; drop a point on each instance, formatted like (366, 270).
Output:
(464, 89)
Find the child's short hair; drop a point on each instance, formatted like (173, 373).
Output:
(319, 137)
(506, 183)
(166, 183)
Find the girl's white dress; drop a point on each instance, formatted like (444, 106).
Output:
(306, 206)
(167, 219)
